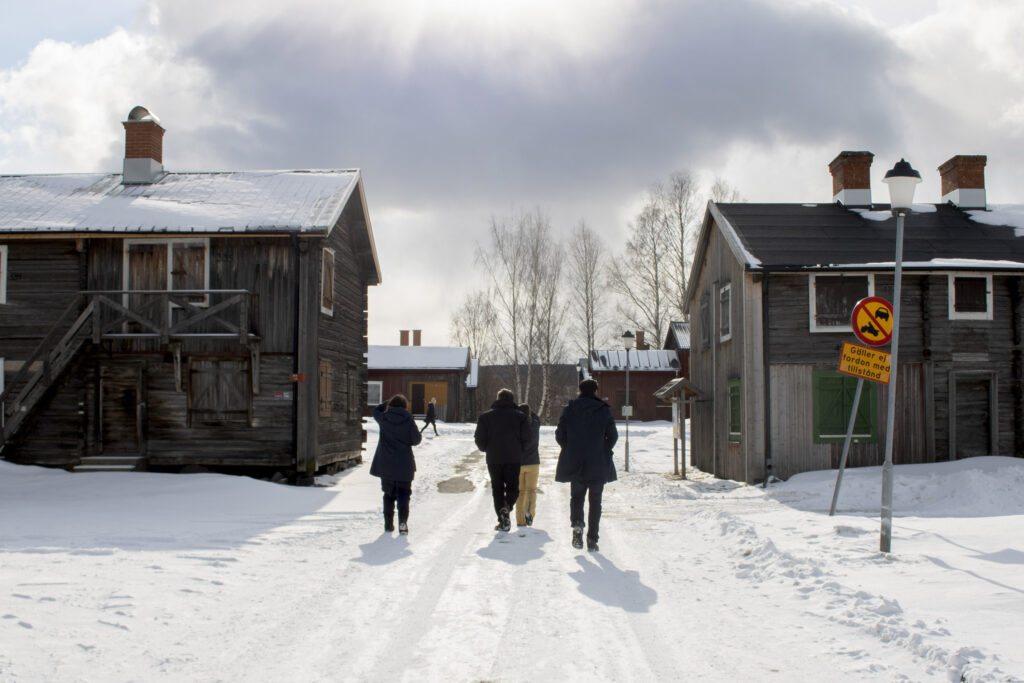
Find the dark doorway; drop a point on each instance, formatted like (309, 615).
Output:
(973, 412)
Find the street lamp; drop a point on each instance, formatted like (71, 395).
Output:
(628, 340)
(901, 180)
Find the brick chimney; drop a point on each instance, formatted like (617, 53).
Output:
(403, 336)
(143, 147)
(851, 178)
(640, 345)
(416, 337)
(963, 181)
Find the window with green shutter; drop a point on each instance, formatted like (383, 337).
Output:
(833, 401)
(735, 412)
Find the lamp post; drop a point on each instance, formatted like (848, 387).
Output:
(627, 409)
(901, 180)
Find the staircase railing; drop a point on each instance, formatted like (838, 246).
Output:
(100, 315)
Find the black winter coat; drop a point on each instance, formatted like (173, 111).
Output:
(431, 415)
(398, 434)
(531, 452)
(501, 433)
(586, 432)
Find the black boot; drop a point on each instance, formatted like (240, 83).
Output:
(504, 520)
(403, 528)
(577, 537)
(591, 544)
(389, 523)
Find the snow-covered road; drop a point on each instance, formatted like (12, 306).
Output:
(120, 577)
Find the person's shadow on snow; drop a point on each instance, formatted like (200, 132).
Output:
(604, 582)
(384, 550)
(516, 549)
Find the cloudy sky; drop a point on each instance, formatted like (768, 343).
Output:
(459, 110)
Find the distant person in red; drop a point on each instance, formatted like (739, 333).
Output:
(393, 460)
(431, 418)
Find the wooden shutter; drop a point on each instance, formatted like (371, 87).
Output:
(325, 388)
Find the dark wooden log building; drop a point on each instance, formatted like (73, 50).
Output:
(770, 301)
(157, 320)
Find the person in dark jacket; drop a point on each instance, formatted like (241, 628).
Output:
(393, 460)
(431, 417)
(501, 433)
(529, 471)
(586, 432)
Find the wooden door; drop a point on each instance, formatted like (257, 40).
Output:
(420, 394)
(122, 410)
(973, 410)
(147, 270)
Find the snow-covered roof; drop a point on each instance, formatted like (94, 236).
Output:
(652, 360)
(417, 357)
(219, 202)
(678, 335)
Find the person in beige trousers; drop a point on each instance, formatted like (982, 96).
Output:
(529, 471)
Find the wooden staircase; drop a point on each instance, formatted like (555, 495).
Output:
(43, 368)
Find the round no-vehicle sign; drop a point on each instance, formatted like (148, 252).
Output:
(872, 321)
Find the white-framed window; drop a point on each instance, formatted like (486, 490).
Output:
(970, 297)
(327, 282)
(833, 297)
(374, 393)
(3, 273)
(725, 313)
(168, 264)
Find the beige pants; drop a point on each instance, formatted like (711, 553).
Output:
(527, 503)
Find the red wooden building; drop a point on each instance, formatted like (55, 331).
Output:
(649, 370)
(421, 373)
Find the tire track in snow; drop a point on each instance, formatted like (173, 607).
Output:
(395, 659)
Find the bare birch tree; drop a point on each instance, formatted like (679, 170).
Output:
(722, 191)
(641, 275)
(524, 264)
(680, 208)
(473, 325)
(503, 264)
(586, 267)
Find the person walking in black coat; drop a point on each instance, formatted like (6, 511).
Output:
(501, 433)
(393, 460)
(431, 417)
(586, 432)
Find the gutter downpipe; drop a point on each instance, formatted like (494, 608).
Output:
(767, 382)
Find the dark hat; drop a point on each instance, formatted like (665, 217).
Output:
(588, 386)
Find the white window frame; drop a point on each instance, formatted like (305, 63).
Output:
(814, 327)
(380, 392)
(3, 273)
(974, 315)
(725, 290)
(170, 262)
(334, 270)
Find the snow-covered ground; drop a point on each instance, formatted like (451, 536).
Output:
(142, 577)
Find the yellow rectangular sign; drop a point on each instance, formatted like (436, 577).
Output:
(861, 361)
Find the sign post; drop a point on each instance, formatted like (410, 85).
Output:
(872, 323)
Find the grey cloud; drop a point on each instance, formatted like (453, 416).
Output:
(693, 77)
